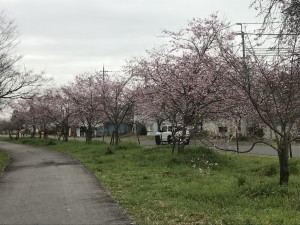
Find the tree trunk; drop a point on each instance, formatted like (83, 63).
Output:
(33, 131)
(238, 132)
(112, 140)
(291, 152)
(283, 156)
(45, 132)
(18, 134)
(181, 142)
(174, 144)
(117, 141)
(159, 125)
(137, 135)
(89, 133)
(65, 132)
(237, 141)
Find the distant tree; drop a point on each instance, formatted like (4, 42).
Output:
(59, 109)
(17, 121)
(117, 100)
(83, 94)
(34, 115)
(149, 106)
(5, 126)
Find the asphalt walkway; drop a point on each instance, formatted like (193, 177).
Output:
(45, 187)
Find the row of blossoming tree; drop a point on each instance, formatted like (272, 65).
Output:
(92, 99)
(197, 76)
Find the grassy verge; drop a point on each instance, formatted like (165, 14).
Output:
(199, 187)
(4, 160)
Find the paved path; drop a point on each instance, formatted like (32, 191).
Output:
(45, 187)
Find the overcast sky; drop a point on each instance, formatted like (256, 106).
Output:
(65, 38)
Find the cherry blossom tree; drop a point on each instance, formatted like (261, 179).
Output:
(83, 93)
(282, 14)
(35, 116)
(148, 107)
(59, 109)
(17, 121)
(117, 99)
(272, 87)
(5, 126)
(271, 81)
(21, 113)
(186, 75)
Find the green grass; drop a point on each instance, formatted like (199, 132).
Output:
(4, 160)
(199, 187)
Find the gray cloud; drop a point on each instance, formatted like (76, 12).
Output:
(65, 37)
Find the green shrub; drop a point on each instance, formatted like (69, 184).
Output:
(143, 130)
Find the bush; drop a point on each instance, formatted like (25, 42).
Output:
(260, 133)
(143, 130)
(243, 138)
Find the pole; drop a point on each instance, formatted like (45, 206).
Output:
(103, 72)
(243, 40)
(245, 70)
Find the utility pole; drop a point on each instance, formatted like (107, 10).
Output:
(243, 40)
(103, 71)
(238, 121)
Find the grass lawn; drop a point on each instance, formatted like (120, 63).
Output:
(199, 187)
(4, 160)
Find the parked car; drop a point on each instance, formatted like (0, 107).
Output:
(166, 135)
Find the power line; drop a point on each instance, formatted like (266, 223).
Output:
(270, 34)
(261, 23)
